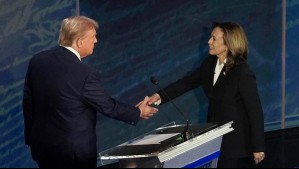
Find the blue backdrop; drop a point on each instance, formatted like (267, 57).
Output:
(27, 26)
(292, 62)
(137, 40)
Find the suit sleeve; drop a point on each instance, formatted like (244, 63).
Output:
(192, 80)
(95, 96)
(27, 109)
(252, 103)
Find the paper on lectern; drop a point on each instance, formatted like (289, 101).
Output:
(153, 139)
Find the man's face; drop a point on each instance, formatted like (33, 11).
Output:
(88, 42)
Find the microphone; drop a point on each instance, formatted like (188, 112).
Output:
(186, 134)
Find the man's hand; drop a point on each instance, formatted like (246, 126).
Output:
(155, 98)
(146, 110)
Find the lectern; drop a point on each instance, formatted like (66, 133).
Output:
(166, 147)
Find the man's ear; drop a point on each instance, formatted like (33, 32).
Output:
(79, 42)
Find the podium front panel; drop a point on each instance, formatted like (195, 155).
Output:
(202, 149)
(196, 157)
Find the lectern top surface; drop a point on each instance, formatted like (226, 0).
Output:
(130, 149)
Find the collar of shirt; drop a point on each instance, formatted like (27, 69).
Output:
(218, 69)
(221, 64)
(74, 51)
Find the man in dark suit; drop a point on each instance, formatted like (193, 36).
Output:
(62, 96)
(231, 89)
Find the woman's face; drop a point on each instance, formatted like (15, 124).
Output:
(216, 44)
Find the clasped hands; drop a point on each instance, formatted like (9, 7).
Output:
(145, 107)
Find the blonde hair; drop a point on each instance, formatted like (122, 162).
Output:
(75, 27)
(236, 41)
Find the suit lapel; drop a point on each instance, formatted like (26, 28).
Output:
(223, 75)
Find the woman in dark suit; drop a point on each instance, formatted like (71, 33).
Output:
(62, 96)
(231, 89)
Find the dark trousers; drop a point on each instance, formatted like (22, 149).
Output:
(54, 157)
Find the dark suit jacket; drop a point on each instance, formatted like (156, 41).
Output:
(234, 97)
(61, 98)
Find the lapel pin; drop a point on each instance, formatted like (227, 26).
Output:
(224, 73)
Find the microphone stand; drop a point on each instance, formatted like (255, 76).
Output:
(186, 135)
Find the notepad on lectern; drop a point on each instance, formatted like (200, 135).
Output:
(153, 139)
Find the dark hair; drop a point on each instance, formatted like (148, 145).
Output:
(236, 41)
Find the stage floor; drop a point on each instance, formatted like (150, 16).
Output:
(282, 149)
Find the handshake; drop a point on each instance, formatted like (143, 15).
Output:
(145, 107)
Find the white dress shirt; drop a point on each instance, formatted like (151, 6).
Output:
(218, 69)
